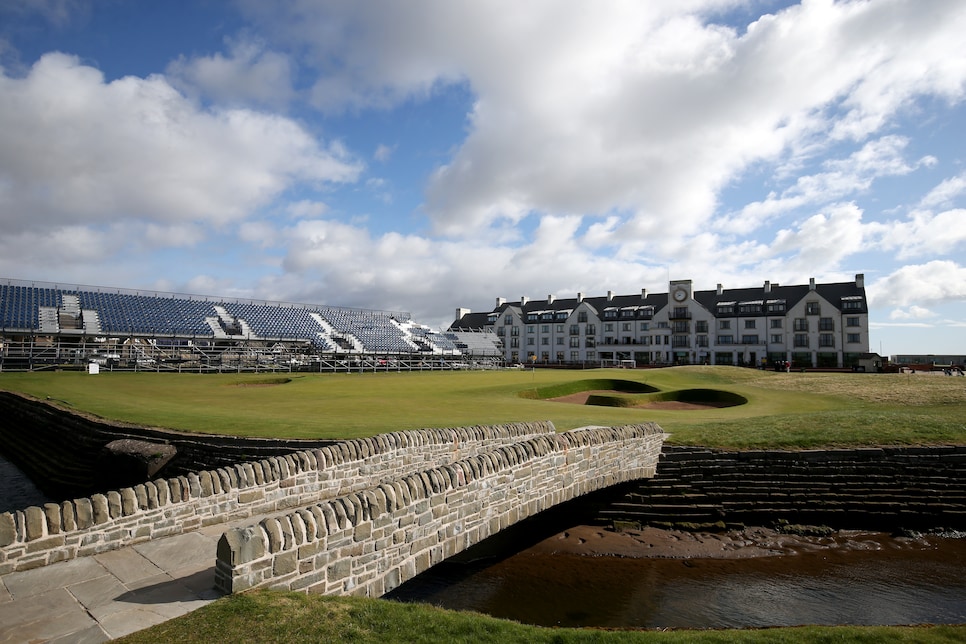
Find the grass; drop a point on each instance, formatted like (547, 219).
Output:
(784, 410)
(282, 617)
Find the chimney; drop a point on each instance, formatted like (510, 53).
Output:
(811, 283)
(720, 289)
(550, 299)
(500, 301)
(610, 295)
(767, 286)
(580, 297)
(461, 312)
(523, 300)
(860, 280)
(643, 293)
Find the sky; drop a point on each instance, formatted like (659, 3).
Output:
(426, 155)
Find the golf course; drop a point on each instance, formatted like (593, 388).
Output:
(727, 407)
(724, 407)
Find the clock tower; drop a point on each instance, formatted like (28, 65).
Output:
(679, 291)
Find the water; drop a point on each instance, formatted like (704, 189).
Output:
(896, 582)
(16, 490)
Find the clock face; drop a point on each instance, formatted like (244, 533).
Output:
(679, 295)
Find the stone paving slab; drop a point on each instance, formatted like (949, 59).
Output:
(42, 617)
(98, 598)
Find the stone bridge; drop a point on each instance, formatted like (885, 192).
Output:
(359, 516)
(371, 541)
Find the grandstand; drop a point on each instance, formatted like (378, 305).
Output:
(45, 325)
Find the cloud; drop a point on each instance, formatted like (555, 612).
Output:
(77, 151)
(853, 175)
(934, 282)
(248, 75)
(383, 152)
(911, 313)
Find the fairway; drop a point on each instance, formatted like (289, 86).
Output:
(782, 410)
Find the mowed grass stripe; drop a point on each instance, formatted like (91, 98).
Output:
(783, 410)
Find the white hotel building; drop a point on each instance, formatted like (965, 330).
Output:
(813, 325)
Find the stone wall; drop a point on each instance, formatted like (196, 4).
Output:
(63, 451)
(369, 542)
(868, 488)
(37, 536)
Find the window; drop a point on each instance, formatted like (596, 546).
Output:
(776, 324)
(775, 306)
(812, 308)
(508, 319)
(749, 307)
(750, 324)
(852, 321)
(749, 339)
(777, 338)
(680, 341)
(726, 339)
(514, 343)
(591, 329)
(514, 330)
(851, 305)
(724, 324)
(545, 328)
(575, 356)
(574, 329)
(726, 308)
(644, 326)
(626, 326)
(608, 327)
(854, 338)
(610, 314)
(531, 328)
(681, 326)
(559, 328)
(801, 324)
(544, 341)
(826, 324)
(590, 342)
(529, 342)
(582, 316)
(575, 342)
(801, 339)
(826, 340)
(560, 340)
(701, 341)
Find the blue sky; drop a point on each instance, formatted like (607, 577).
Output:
(434, 154)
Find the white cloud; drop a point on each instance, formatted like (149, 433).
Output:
(943, 195)
(383, 152)
(919, 285)
(75, 150)
(248, 75)
(913, 312)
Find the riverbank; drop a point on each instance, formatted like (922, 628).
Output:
(744, 543)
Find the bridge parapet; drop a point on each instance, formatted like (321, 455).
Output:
(35, 536)
(370, 541)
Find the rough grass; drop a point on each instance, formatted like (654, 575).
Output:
(786, 410)
(283, 617)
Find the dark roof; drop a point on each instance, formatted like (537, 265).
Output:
(833, 293)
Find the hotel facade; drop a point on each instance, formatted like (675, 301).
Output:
(808, 326)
